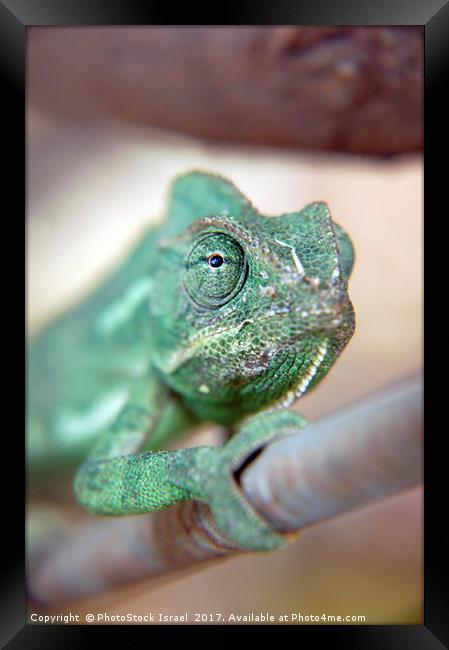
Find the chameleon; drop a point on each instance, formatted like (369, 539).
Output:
(218, 314)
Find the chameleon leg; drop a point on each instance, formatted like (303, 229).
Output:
(210, 474)
(115, 480)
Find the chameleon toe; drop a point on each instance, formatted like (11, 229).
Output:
(235, 515)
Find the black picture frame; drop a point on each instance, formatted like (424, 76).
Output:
(433, 15)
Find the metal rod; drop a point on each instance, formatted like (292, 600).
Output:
(360, 454)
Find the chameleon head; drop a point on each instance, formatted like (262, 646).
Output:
(249, 310)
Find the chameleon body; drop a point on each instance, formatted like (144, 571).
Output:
(218, 314)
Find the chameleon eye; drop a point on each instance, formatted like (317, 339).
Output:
(216, 271)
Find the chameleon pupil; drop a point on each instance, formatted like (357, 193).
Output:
(215, 261)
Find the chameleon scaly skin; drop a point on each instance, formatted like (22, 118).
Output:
(219, 314)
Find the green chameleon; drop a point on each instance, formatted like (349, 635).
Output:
(219, 314)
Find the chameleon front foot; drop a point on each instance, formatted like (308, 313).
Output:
(213, 477)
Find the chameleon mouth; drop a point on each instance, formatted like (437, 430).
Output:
(181, 357)
(300, 388)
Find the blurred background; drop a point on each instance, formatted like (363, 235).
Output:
(291, 115)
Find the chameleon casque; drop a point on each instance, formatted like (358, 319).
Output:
(218, 314)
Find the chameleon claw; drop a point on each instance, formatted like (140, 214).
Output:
(235, 515)
(210, 474)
